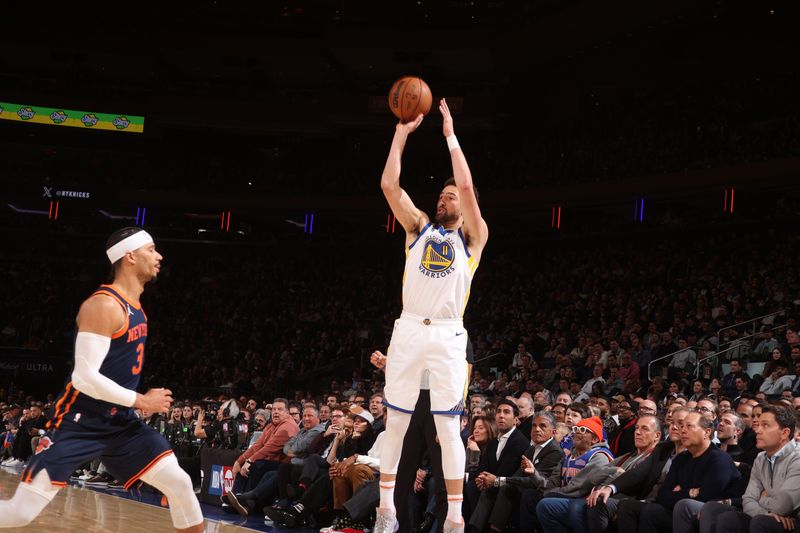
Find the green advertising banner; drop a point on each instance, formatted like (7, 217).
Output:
(70, 117)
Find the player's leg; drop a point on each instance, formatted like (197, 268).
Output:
(29, 500)
(404, 367)
(448, 381)
(168, 477)
(141, 453)
(448, 428)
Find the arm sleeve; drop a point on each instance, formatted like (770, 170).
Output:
(90, 352)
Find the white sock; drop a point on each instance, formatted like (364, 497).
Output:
(454, 507)
(387, 495)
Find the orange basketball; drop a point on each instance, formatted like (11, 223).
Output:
(409, 97)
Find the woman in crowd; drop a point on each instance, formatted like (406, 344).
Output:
(483, 432)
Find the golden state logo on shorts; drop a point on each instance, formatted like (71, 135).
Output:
(437, 258)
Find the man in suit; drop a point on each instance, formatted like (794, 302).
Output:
(496, 507)
(639, 483)
(501, 457)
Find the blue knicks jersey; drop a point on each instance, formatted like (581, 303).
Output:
(123, 363)
(125, 358)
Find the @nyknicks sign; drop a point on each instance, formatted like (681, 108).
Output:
(437, 258)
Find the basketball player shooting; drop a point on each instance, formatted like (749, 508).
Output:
(94, 416)
(429, 337)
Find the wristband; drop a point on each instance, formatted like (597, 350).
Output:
(452, 142)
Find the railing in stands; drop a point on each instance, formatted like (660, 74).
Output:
(753, 322)
(732, 345)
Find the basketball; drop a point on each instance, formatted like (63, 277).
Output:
(409, 97)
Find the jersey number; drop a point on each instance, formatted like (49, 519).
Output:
(139, 360)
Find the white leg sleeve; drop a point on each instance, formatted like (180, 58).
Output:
(392, 443)
(168, 477)
(28, 501)
(448, 429)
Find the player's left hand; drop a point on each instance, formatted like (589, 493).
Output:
(447, 119)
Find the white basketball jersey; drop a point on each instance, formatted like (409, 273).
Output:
(438, 274)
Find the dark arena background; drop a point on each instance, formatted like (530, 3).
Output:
(638, 166)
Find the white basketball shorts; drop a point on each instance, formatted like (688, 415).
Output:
(436, 345)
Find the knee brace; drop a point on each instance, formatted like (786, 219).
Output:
(454, 457)
(392, 443)
(168, 477)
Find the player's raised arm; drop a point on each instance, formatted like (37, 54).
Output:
(411, 218)
(475, 229)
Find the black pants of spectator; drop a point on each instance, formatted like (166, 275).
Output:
(472, 495)
(496, 507)
(602, 514)
(257, 471)
(364, 501)
(317, 496)
(529, 499)
(314, 467)
(263, 493)
(414, 449)
(720, 518)
(21, 448)
(634, 516)
(288, 474)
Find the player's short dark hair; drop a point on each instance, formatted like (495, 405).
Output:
(452, 181)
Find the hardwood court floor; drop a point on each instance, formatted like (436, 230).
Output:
(80, 509)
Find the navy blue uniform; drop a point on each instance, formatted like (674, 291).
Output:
(83, 428)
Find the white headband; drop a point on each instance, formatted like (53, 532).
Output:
(128, 244)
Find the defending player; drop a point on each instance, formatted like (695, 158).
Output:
(94, 416)
(429, 336)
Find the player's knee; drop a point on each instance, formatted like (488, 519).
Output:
(168, 477)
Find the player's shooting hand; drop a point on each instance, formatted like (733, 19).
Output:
(447, 119)
(154, 401)
(378, 359)
(410, 126)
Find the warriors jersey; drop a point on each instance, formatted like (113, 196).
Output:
(438, 274)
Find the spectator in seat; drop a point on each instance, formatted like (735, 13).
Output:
(641, 483)
(501, 456)
(29, 427)
(729, 387)
(771, 501)
(777, 381)
(267, 453)
(377, 410)
(694, 478)
(500, 508)
(559, 510)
